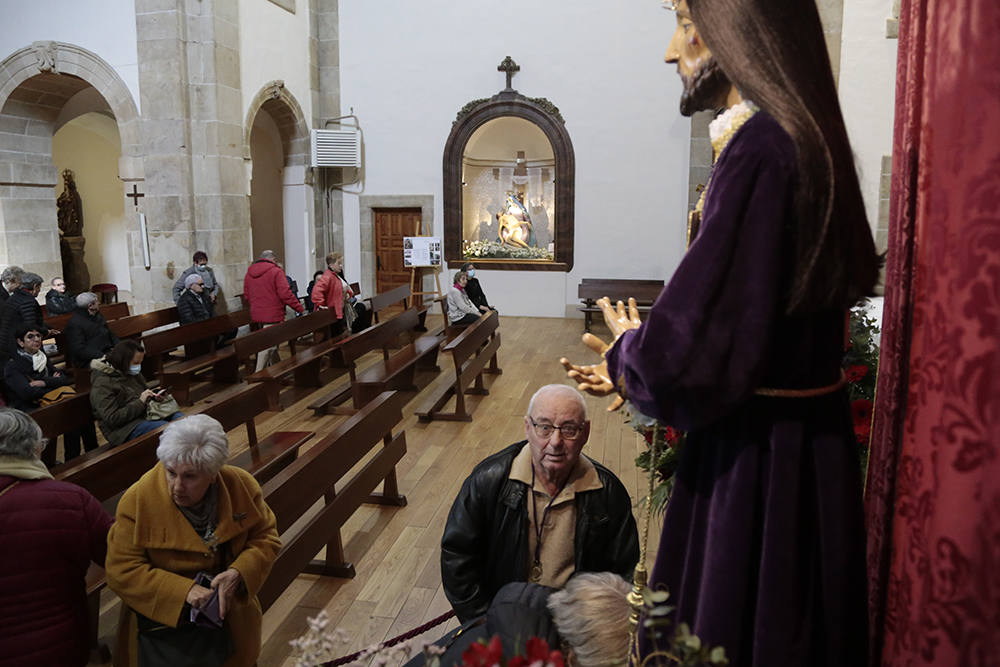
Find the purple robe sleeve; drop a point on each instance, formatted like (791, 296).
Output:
(703, 348)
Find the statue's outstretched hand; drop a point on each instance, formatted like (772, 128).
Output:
(593, 379)
(618, 319)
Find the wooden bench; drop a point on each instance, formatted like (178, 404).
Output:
(397, 370)
(322, 472)
(199, 342)
(70, 414)
(304, 364)
(398, 296)
(474, 352)
(110, 311)
(645, 292)
(134, 326)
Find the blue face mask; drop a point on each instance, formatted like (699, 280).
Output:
(134, 369)
(201, 268)
(471, 273)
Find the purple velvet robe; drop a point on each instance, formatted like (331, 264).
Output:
(762, 547)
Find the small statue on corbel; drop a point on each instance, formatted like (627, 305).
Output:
(274, 89)
(45, 56)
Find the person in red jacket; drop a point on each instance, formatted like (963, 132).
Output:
(50, 532)
(332, 291)
(266, 288)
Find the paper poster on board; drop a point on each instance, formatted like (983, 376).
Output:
(421, 251)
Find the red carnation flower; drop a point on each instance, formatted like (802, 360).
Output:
(862, 432)
(861, 410)
(672, 435)
(856, 372)
(483, 655)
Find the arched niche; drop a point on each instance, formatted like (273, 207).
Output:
(545, 117)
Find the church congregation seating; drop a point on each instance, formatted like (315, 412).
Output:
(473, 352)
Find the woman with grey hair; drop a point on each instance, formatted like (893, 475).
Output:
(192, 543)
(591, 615)
(50, 532)
(10, 280)
(461, 310)
(87, 334)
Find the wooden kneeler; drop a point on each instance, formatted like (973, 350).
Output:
(474, 352)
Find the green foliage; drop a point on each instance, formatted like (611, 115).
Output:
(675, 643)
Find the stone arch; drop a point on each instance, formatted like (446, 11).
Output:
(40, 80)
(52, 59)
(275, 99)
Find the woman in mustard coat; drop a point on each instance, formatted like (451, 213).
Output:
(191, 513)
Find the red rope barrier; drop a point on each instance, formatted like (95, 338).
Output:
(419, 630)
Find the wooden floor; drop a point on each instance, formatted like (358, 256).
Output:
(396, 551)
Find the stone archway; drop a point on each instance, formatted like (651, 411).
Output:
(41, 79)
(284, 196)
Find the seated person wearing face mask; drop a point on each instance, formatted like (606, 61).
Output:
(119, 397)
(474, 289)
(200, 268)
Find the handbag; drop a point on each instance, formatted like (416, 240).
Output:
(187, 645)
(56, 395)
(164, 408)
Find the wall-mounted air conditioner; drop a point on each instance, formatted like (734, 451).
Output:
(335, 148)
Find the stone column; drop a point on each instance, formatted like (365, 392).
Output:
(324, 69)
(196, 198)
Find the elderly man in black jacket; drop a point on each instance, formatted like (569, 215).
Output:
(194, 303)
(537, 511)
(87, 334)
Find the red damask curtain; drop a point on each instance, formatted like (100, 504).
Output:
(933, 494)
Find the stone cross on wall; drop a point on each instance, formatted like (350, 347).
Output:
(509, 67)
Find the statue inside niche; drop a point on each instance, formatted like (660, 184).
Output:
(70, 207)
(515, 223)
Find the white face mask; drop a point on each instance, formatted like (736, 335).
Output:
(134, 369)
(201, 268)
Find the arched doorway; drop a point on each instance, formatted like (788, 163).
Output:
(48, 85)
(277, 143)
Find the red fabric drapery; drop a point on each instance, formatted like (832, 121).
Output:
(933, 494)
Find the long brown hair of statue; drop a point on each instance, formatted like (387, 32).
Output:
(775, 54)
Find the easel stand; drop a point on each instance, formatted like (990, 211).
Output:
(416, 281)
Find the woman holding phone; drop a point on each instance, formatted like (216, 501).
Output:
(119, 396)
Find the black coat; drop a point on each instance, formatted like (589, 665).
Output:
(18, 373)
(20, 308)
(485, 542)
(517, 613)
(193, 307)
(59, 304)
(87, 337)
(475, 293)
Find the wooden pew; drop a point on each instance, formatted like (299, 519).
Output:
(70, 414)
(198, 340)
(590, 290)
(398, 295)
(395, 371)
(110, 311)
(474, 352)
(134, 326)
(107, 471)
(322, 472)
(304, 363)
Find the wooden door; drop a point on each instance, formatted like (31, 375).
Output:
(391, 225)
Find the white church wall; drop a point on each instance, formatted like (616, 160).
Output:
(90, 146)
(868, 91)
(407, 68)
(105, 27)
(274, 45)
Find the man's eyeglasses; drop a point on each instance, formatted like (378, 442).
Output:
(569, 431)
